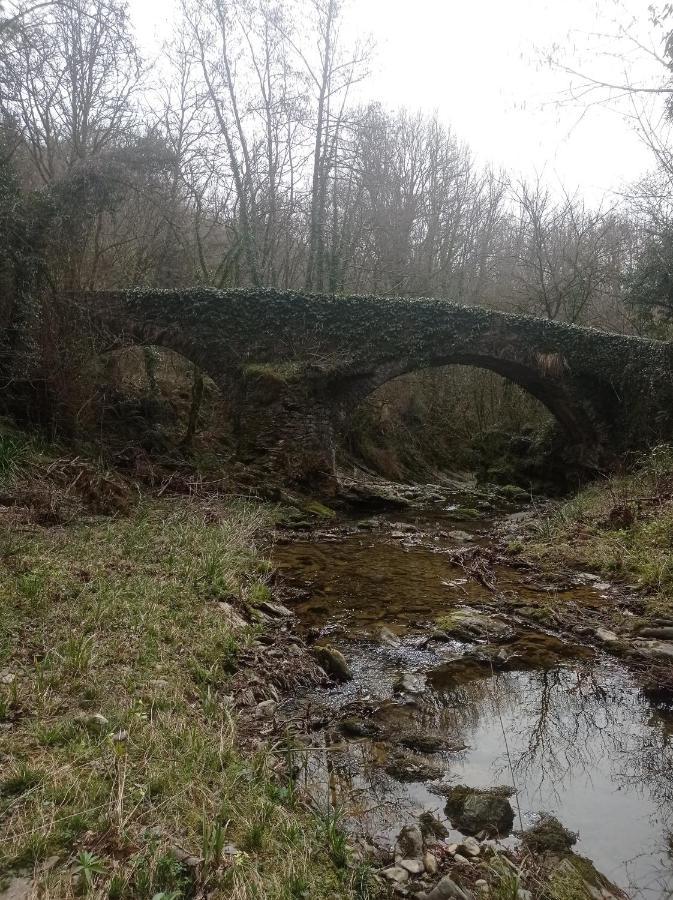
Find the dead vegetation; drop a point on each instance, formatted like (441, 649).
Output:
(125, 647)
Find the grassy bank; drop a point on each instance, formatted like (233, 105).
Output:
(620, 526)
(122, 775)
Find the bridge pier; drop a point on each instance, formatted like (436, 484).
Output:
(286, 429)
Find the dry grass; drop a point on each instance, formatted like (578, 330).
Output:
(621, 527)
(119, 757)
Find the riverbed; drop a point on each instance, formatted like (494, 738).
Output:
(564, 725)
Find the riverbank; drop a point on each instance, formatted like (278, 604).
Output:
(620, 527)
(616, 534)
(150, 669)
(137, 761)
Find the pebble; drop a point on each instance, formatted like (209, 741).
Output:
(482, 886)
(266, 709)
(396, 873)
(333, 662)
(97, 720)
(471, 847)
(606, 636)
(409, 843)
(408, 683)
(413, 866)
(430, 863)
(277, 610)
(461, 860)
(389, 638)
(446, 889)
(460, 536)
(7, 678)
(232, 616)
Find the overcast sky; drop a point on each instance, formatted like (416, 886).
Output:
(478, 64)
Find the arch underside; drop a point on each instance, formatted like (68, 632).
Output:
(556, 396)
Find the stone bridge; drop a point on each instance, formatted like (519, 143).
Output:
(296, 366)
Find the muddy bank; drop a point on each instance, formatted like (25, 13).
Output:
(445, 675)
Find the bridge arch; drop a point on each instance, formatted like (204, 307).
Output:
(145, 394)
(295, 364)
(582, 424)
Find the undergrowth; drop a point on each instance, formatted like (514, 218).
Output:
(621, 526)
(120, 771)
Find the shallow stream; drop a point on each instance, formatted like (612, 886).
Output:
(564, 725)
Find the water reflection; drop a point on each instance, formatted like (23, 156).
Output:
(575, 737)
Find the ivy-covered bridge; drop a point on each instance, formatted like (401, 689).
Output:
(296, 366)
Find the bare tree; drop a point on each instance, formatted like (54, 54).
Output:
(68, 79)
(563, 254)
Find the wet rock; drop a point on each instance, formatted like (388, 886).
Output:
(461, 670)
(462, 536)
(513, 492)
(445, 889)
(333, 662)
(472, 810)
(606, 636)
(356, 728)
(464, 513)
(409, 843)
(388, 637)
(409, 683)
(655, 649)
(467, 625)
(431, 827)
(664, 633)
(548, 835)
(275, 610)
(405, 766)
(529, 651)
(430, 743)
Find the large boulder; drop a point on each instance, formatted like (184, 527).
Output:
(472, 810)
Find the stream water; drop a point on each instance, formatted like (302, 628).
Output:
(565, 726)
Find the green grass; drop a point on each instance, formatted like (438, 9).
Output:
(120, 755)
(621, 527)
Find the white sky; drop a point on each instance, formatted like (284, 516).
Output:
(477, 63)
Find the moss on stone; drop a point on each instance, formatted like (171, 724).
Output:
(315, 508)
